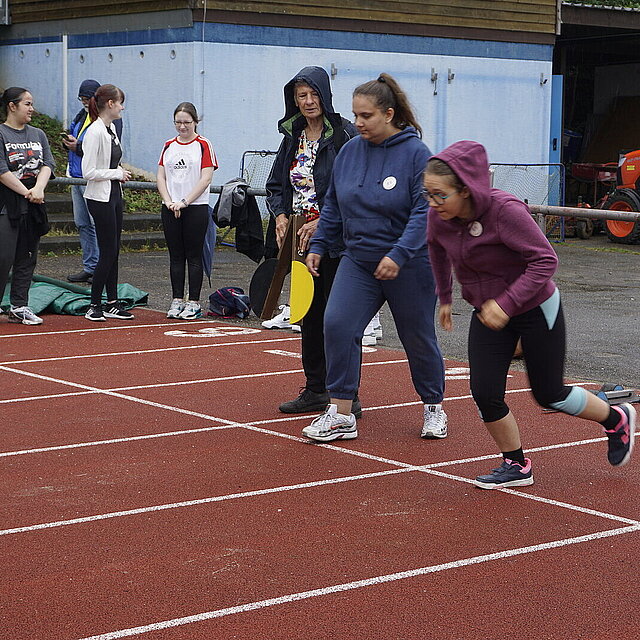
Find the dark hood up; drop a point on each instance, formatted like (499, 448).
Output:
(318, 79)
(469, 161)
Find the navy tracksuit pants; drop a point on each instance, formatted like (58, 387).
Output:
(355, 297)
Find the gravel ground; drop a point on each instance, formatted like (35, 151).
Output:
(599, 283)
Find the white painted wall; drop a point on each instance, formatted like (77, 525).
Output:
(498, 102)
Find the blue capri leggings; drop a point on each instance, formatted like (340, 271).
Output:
(543, 344)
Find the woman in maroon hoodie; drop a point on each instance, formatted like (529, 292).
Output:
(505, 266)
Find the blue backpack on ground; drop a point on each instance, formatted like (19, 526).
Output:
(229, 302)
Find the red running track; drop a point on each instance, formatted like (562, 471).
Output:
(152, 490)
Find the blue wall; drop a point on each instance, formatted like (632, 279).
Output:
(235, 74)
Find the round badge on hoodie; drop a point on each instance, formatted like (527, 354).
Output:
(389, 183)
(475, 229)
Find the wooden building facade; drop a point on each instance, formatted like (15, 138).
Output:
(533, 21)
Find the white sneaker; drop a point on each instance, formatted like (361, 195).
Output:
(281, 321)
(176, 308)
(377, 327)
(435, 422)
(332, 425)
(192, 311)
(23, 315)
(372, 332)
(369, 339)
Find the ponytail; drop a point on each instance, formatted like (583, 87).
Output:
(386, 93)
(93, 109)
(104, 93)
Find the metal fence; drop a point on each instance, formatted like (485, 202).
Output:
(535, 184)
(543, 210)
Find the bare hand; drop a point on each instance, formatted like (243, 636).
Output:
(313, 263)
(126, 175)
(305, 233)
(35, 195)
(281, 228)
(387, 269)
(444, 317)
(175, 207)
(492, 316)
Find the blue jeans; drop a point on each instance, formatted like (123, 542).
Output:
(355, 296)
(86, 229)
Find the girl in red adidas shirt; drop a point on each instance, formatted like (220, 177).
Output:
(186, 166)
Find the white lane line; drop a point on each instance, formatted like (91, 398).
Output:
(192, 503)
(144, 351)
(225, 423)
(111, 328)
(159, 385)
(341, 450)
(400, 467)
(96, 443)
(51, 396)
(360, 584)
(122, 396)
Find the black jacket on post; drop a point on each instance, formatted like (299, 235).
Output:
(337, 130)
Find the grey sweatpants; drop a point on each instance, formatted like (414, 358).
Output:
(14, 255)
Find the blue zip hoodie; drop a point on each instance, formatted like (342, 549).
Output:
(375, 200)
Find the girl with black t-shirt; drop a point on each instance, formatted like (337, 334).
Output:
(26, 164)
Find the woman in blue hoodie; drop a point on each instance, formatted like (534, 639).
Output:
(505, 266)
(375, 205)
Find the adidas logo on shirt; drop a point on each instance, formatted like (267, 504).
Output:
(181, 164)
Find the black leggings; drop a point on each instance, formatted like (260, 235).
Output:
(491, 352)
(313, 360)
(185, 240)
(107, 217)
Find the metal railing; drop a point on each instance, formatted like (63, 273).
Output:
(153, 186)
(565, 212)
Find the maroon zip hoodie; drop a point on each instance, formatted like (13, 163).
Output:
(501, 253)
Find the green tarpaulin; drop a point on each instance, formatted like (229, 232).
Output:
(56, 296)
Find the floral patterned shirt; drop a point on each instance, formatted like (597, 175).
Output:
(305, 200)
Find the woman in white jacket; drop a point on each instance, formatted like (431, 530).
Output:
(101, 168)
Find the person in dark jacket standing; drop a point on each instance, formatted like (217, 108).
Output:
(505, 266)
(375, 204)
(81, 215)
(313, 134)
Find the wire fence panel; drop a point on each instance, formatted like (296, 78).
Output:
(535, 184)
(255, 168)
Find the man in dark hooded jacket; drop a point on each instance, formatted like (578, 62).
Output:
(313, 134)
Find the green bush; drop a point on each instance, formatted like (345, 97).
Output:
(52, 128)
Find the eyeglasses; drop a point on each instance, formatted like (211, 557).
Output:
(438, 198)
(180, 123)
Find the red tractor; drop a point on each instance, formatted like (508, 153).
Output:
(624, 197)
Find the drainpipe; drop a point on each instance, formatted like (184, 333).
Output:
(65, 82)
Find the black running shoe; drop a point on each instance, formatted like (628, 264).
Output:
(95, 313)
(306, 402)
(117, 310)
(82, 276)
